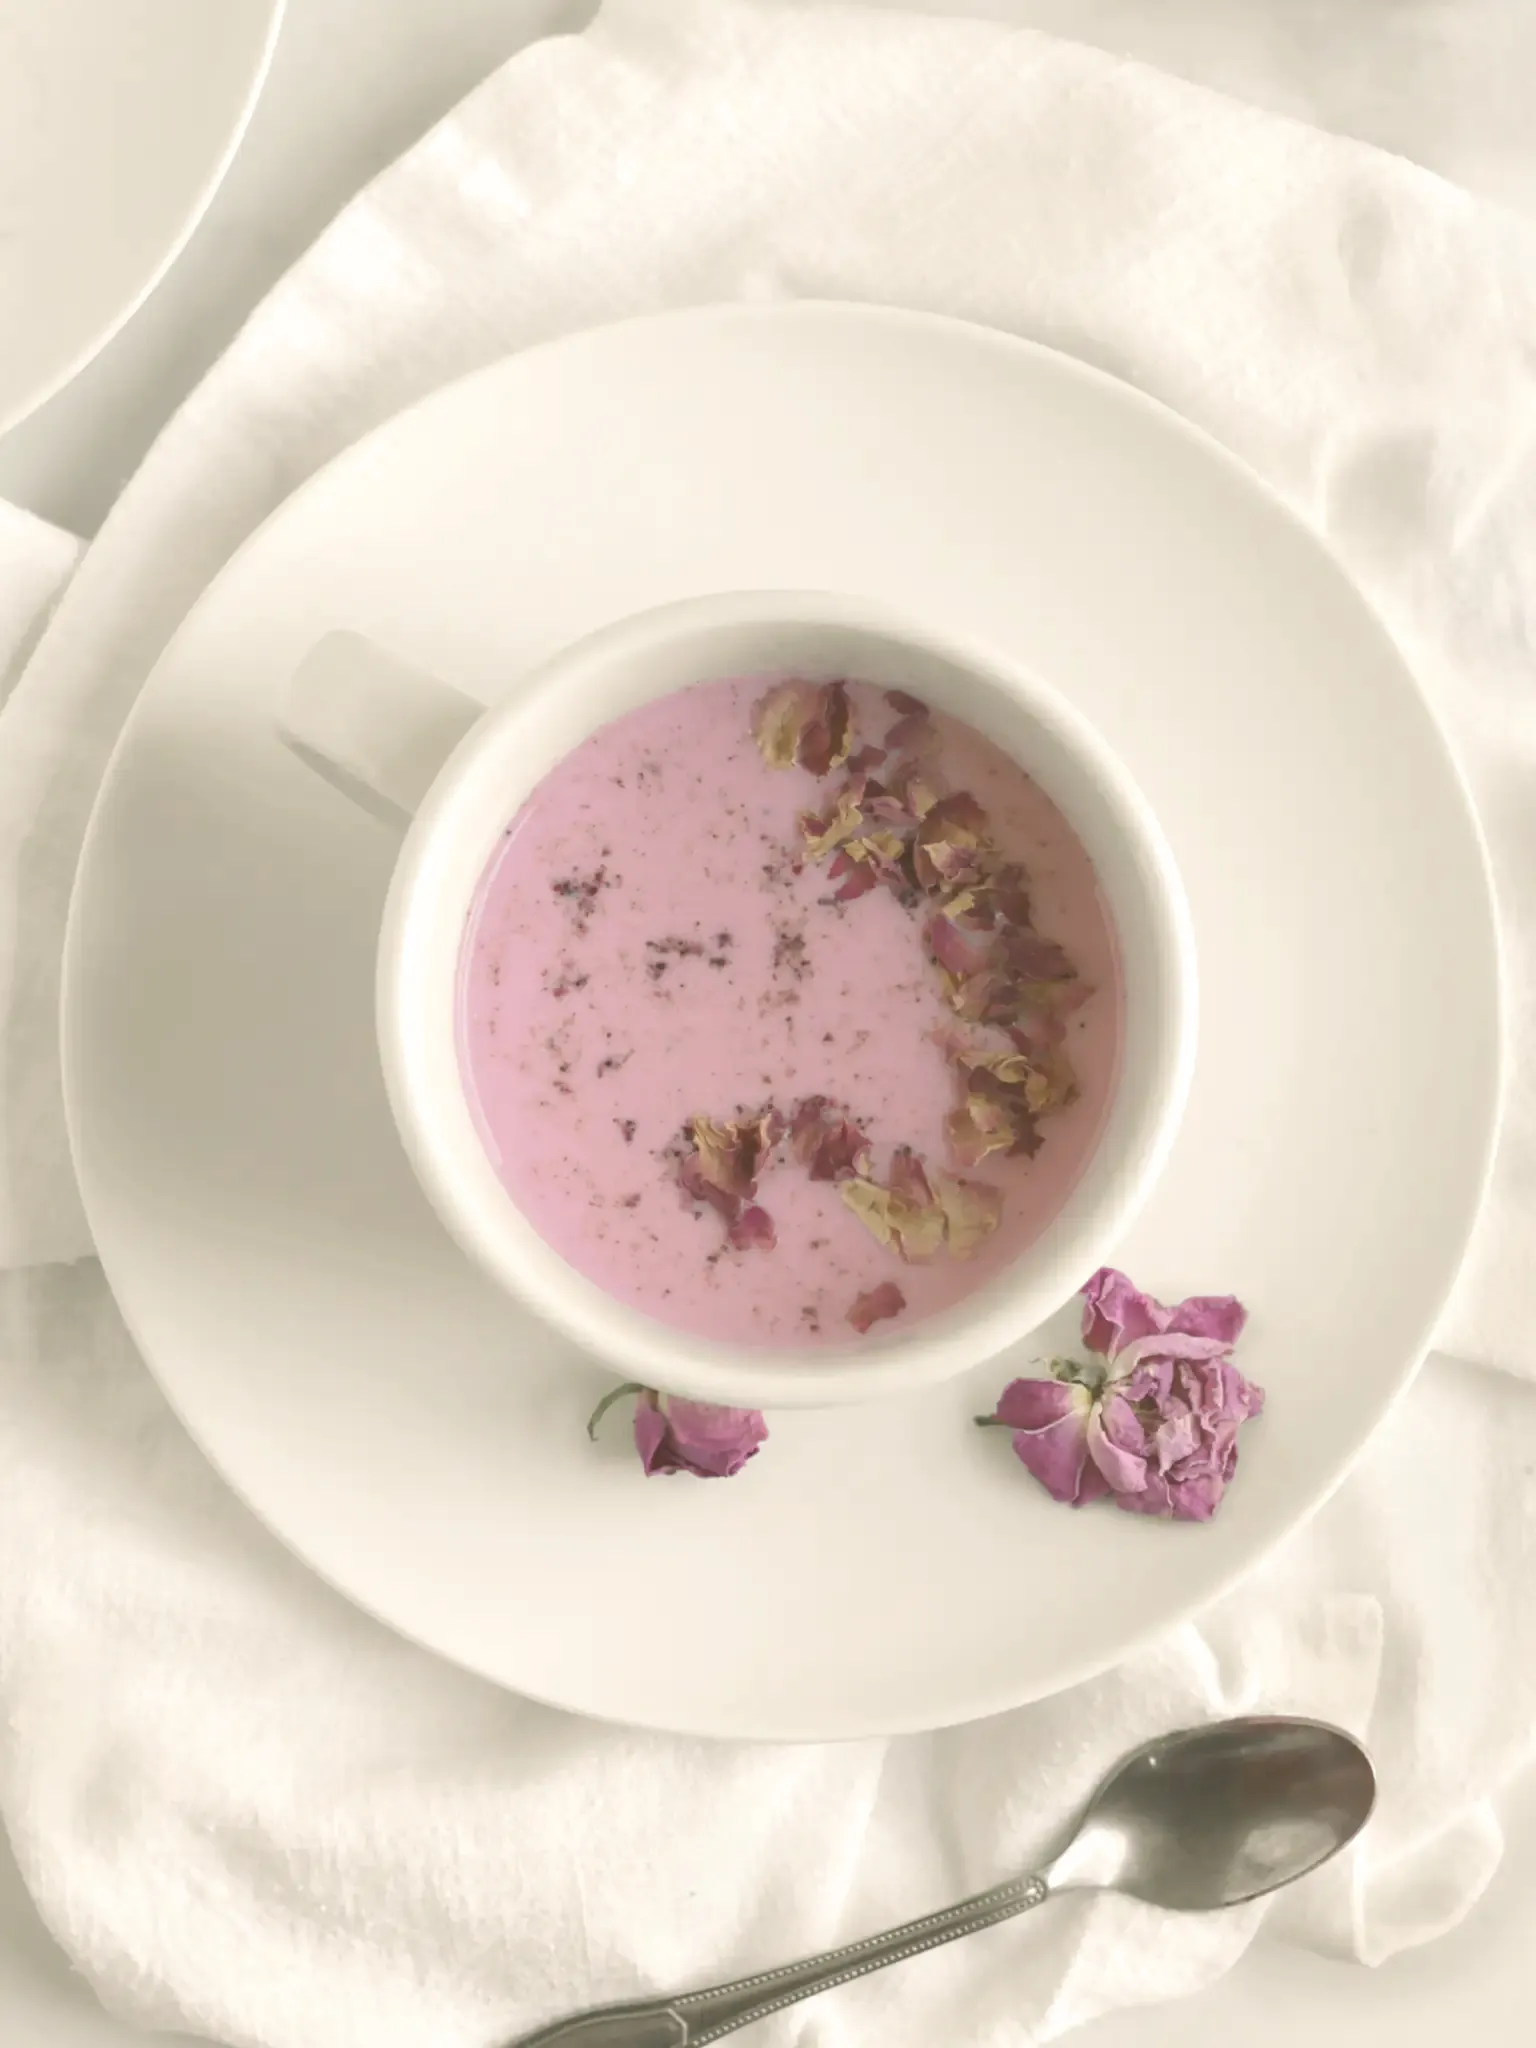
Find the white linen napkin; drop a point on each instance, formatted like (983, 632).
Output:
(244, 1808)
(35, 561)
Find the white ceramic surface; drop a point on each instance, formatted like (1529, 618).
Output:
(117, 119)
(409, 746)
(400, 1423)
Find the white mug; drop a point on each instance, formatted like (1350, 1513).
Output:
(421, 754)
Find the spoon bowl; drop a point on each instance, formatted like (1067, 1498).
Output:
(1215, 1816)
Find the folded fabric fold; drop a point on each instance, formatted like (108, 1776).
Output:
(35, 562)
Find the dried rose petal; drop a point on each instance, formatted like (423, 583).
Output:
(879, 1302)
(1039, 1077)
(845, 822)
(721, 1171)
(805, 723)
(908, 1179)
(997, 995)
(914, 733)
(1008, 890)
(972, 1210)
(971, 910)
(871, 1203)
(779, 717)
(752, 1231)
(861, 879)
(1051, 1000)
(953, 845)
(881, 846)
(1049, 1420)
(728, 1153)
(914, 785)
(977, 1129)
(690, 1178)
(915, 1230)
(1117, 1315)
(1028, 957)
(886, 808)
(825, 742)
(1000, 1095)
(983, 1086)
(905, 704)
(865, 760)
(1008, 1069)
(970, 996)
(955, 949)
(1051, 1083)
(825, 1141)
(996, 901)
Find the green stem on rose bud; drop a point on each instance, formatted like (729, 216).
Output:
(616, 1394)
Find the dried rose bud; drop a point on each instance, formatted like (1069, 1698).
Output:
(674, 1435)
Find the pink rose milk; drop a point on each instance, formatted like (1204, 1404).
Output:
(650, 944)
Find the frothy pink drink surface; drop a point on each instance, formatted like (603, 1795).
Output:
(654, 943)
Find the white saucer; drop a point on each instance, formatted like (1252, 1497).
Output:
(118, 119)
(409, 1432)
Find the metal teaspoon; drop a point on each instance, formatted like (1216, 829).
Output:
(1194, 1821)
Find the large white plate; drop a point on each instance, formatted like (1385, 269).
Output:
(408, 1431)
(117, 121)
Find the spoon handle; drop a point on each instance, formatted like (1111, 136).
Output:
(696, 2017)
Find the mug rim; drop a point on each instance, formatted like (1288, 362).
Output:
(417, 1031)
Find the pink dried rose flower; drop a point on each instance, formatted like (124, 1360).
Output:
(674, 1435)
(1155, 1426)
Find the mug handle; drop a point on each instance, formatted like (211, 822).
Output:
(373, 726)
